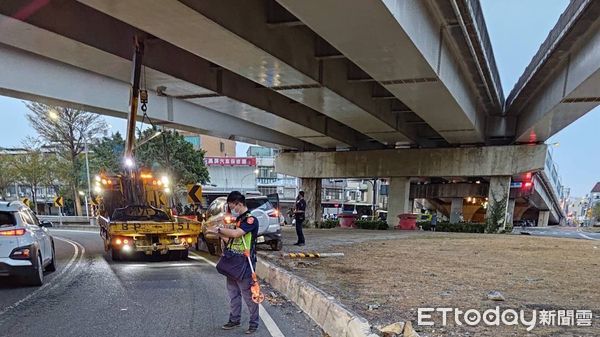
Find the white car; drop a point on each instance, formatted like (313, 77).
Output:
(26, 247)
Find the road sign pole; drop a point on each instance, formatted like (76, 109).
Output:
(60, 215)
(87, 209)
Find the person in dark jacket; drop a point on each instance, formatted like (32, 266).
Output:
(299, 215)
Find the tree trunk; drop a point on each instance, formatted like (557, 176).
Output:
(34, 197)
(77, 202)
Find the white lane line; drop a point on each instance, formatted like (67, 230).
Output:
(264, 315)
(46, 285)
(77, 265)
(580, 232)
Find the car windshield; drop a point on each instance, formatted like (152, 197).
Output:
(7, 219)
(262, 204)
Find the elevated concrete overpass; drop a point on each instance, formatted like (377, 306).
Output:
(562, 81)
(304, 75)
(271, 69)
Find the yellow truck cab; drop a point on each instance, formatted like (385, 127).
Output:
(149, 230)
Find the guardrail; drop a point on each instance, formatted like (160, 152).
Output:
(69, 220)
(553, 176)
(486, 45)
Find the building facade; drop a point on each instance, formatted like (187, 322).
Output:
(212, 146)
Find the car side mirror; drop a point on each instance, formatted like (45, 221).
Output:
(45, 223)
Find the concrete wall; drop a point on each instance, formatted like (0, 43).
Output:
(212, 146)
(474, 161)
(463, 190)
(233, 177)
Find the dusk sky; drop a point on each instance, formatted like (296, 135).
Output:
(516, 28)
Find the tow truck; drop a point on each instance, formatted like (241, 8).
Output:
(130, 217)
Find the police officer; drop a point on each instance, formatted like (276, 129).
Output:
(247, 230)
(299, 215)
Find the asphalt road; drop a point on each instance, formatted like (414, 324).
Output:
(89, 295)
(558, 232)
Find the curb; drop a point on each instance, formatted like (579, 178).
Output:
(325, 310)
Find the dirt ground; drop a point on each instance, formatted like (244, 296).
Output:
(386, 275)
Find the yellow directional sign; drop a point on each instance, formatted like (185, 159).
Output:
(25, 201)
(59, 202)
(95, 201)
(194, 195)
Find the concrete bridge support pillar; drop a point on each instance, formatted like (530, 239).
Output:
(498, 196)
(399, 199)
(312, 196)
(456, 210)
(543, 218)
(510, 212)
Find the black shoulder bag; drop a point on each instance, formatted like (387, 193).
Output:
(232, 264)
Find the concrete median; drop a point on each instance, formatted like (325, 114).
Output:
(335, 319)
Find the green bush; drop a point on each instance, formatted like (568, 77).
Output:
(328, 224)
(425, 225)
(371, 224)
(462, 227)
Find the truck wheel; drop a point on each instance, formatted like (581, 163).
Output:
(184, 254)
(276, 245)
(36, 276)
(211, 248)
(115, 254)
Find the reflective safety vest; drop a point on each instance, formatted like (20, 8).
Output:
(238, 245)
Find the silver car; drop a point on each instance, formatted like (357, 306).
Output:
(261, 207)
(26, 247)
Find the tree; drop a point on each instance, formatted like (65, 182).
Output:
(8, 173)
(35, 168)
(107, 154)
(172, 154)
(67, 130)
(169, 153)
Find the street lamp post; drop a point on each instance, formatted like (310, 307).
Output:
(89, 184)
(255, 173)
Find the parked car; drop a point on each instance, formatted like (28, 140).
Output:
(524, 223)
(269, 222)
(26, 247)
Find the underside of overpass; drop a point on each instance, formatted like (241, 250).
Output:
(331, 74)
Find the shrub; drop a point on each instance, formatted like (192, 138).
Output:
(371, 224)
(328, 224)
(425, 225)
(496, 215)
(462, 227)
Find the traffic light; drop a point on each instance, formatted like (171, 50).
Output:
(527, 183)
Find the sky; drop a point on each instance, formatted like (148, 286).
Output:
(516, 29)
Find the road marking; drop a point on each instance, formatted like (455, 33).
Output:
(264, 315)
(77, 265)
(56, 279)
(580, 232)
